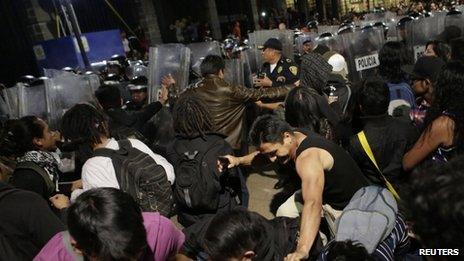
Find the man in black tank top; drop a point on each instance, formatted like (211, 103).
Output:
(328, 174)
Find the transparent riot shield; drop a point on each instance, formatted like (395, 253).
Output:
(361, 50)
(11, 99)
(334, 43)
(327, 29)
(64, 90)
(301, 39)
(234, 72)
(198, 52)
(32, 101)
(249, 66)
(422, 31)
(456, 21)
(136, 70)
(4, 111)
(167, 59)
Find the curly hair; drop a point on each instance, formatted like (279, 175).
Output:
(448, 100)
(436, 200)
(302, 111)
(192, 118)
(392, 56)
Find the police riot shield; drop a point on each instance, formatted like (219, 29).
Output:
(66, 89)
(362, 52)
(234, 72)
(11, 99)
(32, 101)
(422, 31)
(198, 52)
(454, 23)
(136, 70)
(334, 43)
(4, 111)
(167, 59)
(301, 39)
(249, 65)
(333, 29)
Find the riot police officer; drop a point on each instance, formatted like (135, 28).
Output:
(138, 88)
(277, 69)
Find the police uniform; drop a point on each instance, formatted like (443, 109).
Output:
(285, 72)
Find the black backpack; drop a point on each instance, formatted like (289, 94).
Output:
(140, 176)
(29, 165)
(198, 181)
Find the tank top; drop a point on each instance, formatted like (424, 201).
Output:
(343, 179)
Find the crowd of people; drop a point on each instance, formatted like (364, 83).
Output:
(367, 170)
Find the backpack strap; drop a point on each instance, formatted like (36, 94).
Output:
(367, 149)
(51, 187)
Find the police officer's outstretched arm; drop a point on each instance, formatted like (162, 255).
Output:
(310, 168)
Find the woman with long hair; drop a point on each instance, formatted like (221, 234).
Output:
(306, 109)
(443, 138)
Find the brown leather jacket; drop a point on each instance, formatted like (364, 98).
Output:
(227, 104)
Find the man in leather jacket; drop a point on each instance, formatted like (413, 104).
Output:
(227, 102)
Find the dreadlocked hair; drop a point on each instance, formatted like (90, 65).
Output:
(84, 124)
(192, 118)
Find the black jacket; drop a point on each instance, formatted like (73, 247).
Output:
(389, 139)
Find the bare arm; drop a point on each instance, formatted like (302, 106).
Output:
(441, 132)
(311, 171)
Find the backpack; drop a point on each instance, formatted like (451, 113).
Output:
(51, 187)
(139, 175)
(402, 99)
(198, 182)
(369, 217)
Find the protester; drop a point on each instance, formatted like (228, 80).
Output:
(355, 240)
(438, 49)
(31, 143)
(457, 49)
(26, 223)
(107, 224)
(306, 109)
(388, 138)
(328, 175)
(83, 123)
(442, 138)
(314, 72)
(253, 237)
(434, 200)
(392, 56)
(227, 102)
(423, 75)
(200, 190)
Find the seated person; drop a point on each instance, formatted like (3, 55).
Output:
(86, 124)
(442, 138)
(253, 237)
(125, 124)
(26, 223)
(209, 191)
(389, 138)
(107, 224)
(328, 174)
(435, 202)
